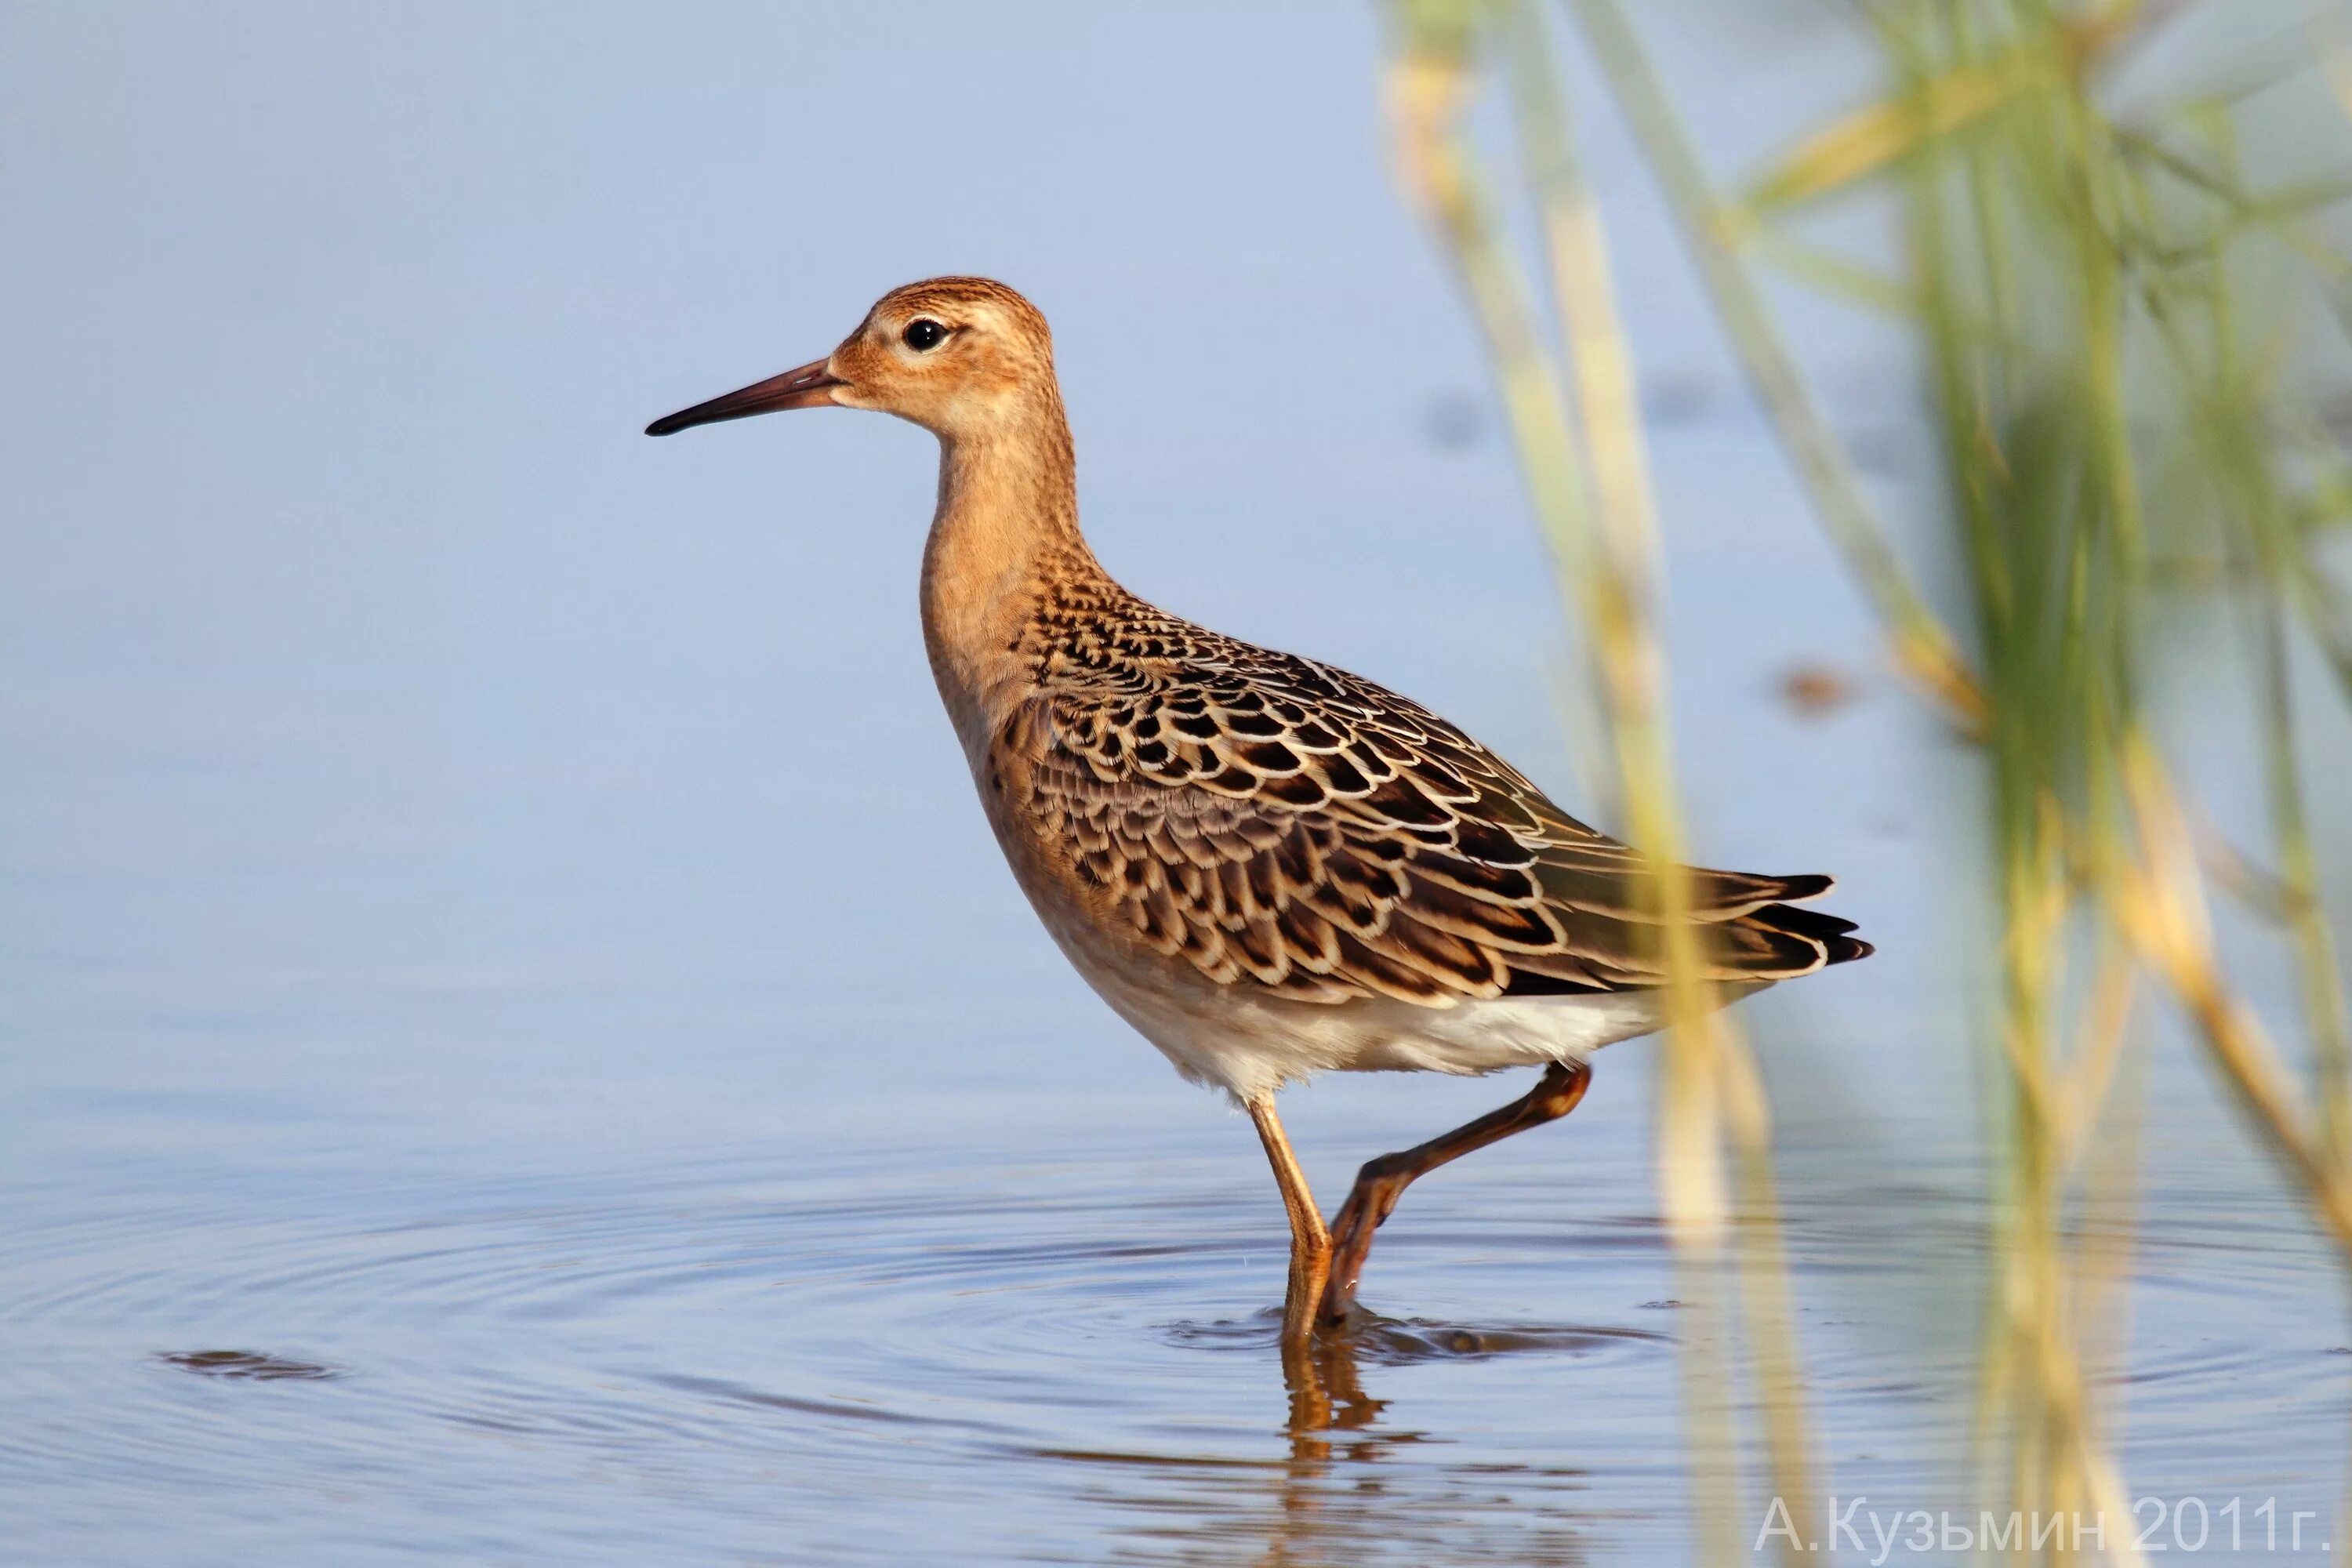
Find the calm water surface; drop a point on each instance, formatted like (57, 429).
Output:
(980, 1329)
(514, 1043)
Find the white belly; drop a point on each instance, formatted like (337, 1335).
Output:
(1249, 1042)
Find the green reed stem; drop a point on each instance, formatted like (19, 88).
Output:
(1922, 647)
(1620, 611)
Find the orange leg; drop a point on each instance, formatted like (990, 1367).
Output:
(1383, 1180)
(1311, 1244)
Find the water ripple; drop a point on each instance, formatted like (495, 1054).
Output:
(695, 1329)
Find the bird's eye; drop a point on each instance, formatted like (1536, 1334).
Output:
(923, 335)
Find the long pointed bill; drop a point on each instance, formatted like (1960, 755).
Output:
(810, 386)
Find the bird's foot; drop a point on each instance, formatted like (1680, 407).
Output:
(1374, 1197)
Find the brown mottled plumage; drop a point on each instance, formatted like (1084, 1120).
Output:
(1277, 822)
(1270, 867)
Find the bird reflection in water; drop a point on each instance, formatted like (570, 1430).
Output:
(1349, 1485)
(1326, 1394)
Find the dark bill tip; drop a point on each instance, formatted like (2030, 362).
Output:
(810, 386)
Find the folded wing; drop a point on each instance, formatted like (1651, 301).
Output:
(1278, 823)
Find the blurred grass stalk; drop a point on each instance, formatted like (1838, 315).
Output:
(2072, 290)
(1579, 435)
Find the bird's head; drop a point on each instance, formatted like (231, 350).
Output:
(965, 358)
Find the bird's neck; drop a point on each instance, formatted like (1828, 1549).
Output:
(1003, 541)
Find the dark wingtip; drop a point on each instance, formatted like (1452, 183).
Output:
(1796, 889)
(1826, 931)
(667, 425)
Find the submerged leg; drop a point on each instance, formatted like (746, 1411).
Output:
(1383, 1180)
(1311, 1244)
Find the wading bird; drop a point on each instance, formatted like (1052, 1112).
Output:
(1270, 867)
